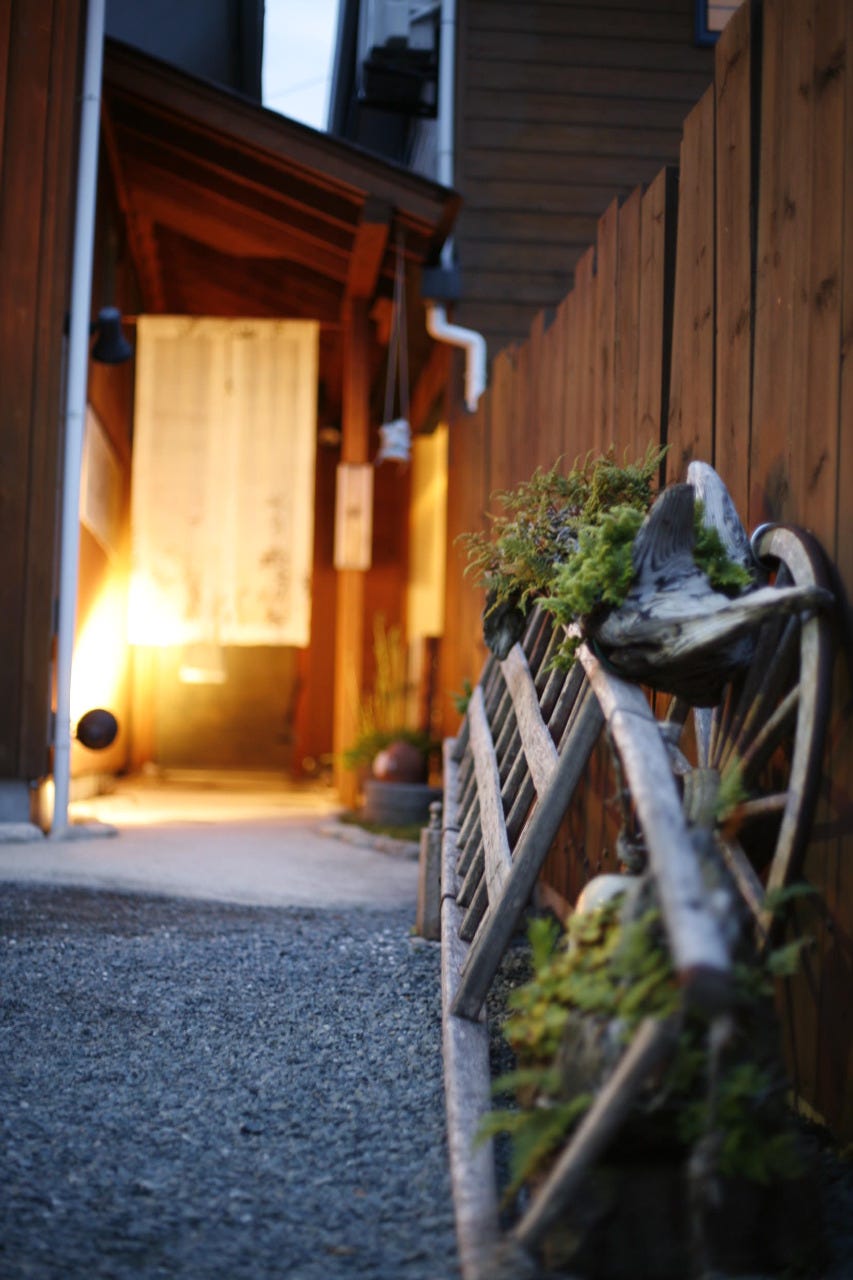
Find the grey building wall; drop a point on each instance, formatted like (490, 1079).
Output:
(218, 40)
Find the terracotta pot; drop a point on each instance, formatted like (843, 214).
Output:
(400, 762)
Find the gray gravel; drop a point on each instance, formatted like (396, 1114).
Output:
(199, 1090)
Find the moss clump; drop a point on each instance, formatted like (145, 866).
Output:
(601, 571)
(542, 519)
(724, 574)
(570, 1023)
(567, 540)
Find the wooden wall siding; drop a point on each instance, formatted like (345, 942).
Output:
(581, 428)
(39, 52)
(715, 312)
(836, 955)
(689, 430)
(735, 158)
(564, 106)
(462, 651)
(800, 426)
(626, 338)
(657, 266)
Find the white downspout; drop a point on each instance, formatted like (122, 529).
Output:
(438, 327)
(474, 345)
(446, 105)
(75, 406)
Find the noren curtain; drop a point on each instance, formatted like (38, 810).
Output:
(223, 481)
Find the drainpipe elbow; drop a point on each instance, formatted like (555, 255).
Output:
(472, 343)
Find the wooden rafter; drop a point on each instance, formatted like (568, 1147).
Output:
(231, 228)
(368, 251)
(140, 237)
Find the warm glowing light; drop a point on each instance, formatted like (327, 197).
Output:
(97, 671)
(428, 514)
(151, 620)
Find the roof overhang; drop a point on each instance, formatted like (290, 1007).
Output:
(234, 210)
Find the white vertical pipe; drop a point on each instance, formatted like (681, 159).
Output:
(473, 343)
(75, 405)
(446, 91)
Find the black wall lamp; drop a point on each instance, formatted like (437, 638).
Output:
(97, 729)
(111, 346)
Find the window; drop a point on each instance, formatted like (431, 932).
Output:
(711, 17)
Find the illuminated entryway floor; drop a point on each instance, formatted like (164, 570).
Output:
(207, 796)
(251, 839)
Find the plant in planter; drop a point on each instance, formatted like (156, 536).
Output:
(392, 754)
(540, 529)
(667, 591)
(711, 1129)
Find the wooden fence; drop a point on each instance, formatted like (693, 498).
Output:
(715, 314)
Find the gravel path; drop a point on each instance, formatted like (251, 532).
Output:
(199, 1090)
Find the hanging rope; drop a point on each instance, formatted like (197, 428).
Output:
(396, 432)
(398, 347)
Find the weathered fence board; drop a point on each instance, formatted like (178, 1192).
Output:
(626, 357)
(784, 203)
(689, 432)
(657, 250)
(840, 874)
(504, 465)
(742, 306)
(816, 448)
(604, 387)
(571, 395)
(734, 247)
(582, 429)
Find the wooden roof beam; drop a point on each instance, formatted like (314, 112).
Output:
(146, 258)
(336, 165)
(232, 229)
(214, 162)
(368, 251)
(196, 272)
(431, 384)
(140, 234)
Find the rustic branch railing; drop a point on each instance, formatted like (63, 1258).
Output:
(510, 777)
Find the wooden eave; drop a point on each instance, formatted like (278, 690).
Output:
(233, 209)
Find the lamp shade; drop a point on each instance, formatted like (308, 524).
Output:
(97, 729)
(111, 346)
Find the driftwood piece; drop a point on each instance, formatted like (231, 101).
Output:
(674, 631)
(539, 749)
(494, 934)
(699, 953)
(805, 562)
(721, 514)
(503, 624)
(779, 696)
(652, 1044)
(497, 856)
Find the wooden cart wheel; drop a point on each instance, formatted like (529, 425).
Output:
(765, 739)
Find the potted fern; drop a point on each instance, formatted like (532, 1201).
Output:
(392, 756)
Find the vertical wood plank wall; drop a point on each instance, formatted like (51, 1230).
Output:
(39, 83)
(715, 314)
(562, 107)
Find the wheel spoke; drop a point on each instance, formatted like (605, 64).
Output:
(769, 736)
(744, 875)
(770, 683)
